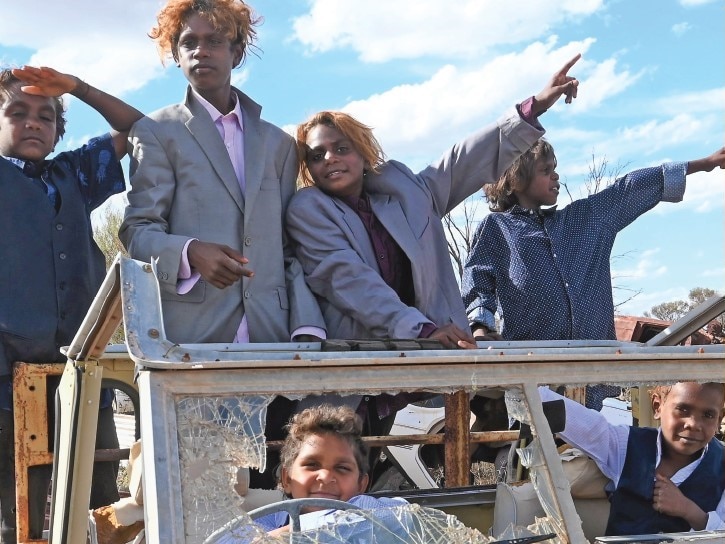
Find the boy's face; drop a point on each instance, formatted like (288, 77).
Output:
(27, 126)
(689, 417)
(543, 189)
(325, 468)
(206, 56)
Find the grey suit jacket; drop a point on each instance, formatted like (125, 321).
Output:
(338, 258)
(183, 186)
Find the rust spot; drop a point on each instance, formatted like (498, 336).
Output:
(185, 358)
(32, 388)
(501, 353)
(153, 333)
(618, 352)
(297, 357)
(701, 350)
(147, 268)
(402, 355)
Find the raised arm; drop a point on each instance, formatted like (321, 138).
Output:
(707, 164)
(560, 83)
(46, 81)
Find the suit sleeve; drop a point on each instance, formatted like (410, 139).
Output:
(145, 229)
(304, 309)
(336, 272)
(479, 159)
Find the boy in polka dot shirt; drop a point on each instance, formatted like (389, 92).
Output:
(547, 270)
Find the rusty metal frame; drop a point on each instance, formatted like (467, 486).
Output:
(297, 369)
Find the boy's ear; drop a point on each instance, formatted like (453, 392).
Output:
(363, 483)
(238, 50)
(657, 405)
(284, 480)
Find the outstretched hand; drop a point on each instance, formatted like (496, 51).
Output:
(45, 81)
(707, 164)
(561, 83)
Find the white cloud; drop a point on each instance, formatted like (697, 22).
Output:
(240, 77)
(647, 266)
(680, 28)
(381, 30)
(604, 82)
(421, 120)
(109, 47)
(714, 273)
(692, 3)
(704, 101)
(645, 300)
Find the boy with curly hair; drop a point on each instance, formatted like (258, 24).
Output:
(547, 270)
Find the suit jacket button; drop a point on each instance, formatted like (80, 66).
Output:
(247, 294)
(248, 241)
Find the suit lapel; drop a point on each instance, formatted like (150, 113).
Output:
(391, 216)
(254, 151)
(207, 136)
(358, 236)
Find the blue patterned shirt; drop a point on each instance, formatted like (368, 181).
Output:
(548, 273)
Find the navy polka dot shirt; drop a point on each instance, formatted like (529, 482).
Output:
(548, 273)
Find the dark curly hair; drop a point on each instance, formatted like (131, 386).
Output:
(8, 81)
(517, 177)
(340, 421)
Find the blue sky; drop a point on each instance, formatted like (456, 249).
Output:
(426, 73)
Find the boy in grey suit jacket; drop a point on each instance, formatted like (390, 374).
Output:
(210, 181)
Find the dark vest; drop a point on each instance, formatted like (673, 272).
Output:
(632, 511)
(50, 266)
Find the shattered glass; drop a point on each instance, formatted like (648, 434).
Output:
(409, 524)
(216, 436)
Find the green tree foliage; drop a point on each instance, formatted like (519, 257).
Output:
(106, 235)
(673, 310)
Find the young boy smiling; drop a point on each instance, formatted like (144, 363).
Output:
(324, 457)
(669, 479)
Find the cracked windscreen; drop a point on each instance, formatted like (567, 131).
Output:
(217, 436)
(221, 437)
(407, 523)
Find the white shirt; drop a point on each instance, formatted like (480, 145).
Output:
(590, 431)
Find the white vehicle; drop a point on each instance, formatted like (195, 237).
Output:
(191, 454)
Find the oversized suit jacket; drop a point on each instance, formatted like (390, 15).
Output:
(183, 186)
(338, 257)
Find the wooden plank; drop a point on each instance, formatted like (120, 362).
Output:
(457, 433)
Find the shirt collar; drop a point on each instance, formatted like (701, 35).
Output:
(517, 209)
(30, 169)
(659, 450)
(357, 202)
(215, 114)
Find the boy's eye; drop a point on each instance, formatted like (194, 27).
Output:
(314, 157)
(344, 468)
(342, 149)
